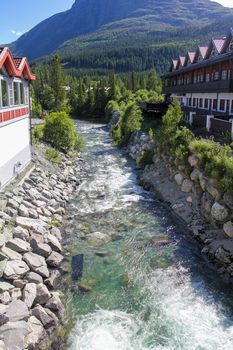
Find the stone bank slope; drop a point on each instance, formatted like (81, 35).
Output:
(31, 253)
(197, 200)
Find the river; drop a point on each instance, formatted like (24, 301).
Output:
(151, 287)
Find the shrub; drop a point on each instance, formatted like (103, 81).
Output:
(38, 133)
(215, 160)
(61, 133)
(145, 158)
(111, 108)
(53, 156)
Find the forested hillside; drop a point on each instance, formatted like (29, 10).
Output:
(96, 37)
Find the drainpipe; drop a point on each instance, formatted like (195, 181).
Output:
(30, 113)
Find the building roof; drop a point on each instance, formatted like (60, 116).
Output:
(15, 66)
(215, 51)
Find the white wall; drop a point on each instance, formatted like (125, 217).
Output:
(14, 148)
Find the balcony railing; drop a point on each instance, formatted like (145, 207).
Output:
(211, 86)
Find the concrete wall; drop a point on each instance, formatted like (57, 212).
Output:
(15, 151)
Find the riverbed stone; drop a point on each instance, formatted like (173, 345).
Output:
(195, 175)
(33, 277)
(17, 311)
(219, 212)
(55, 259)
(21, 233)
(37, 264)
(98, 238)
(212, 190)
(18, 245)
(54, 303)
(37, 226)
(15, 269)
(13, 334)
(29, 294)
(42, 294)
(37, 336)
(20, 283)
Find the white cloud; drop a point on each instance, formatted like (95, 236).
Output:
(16, 33)
(227, 3)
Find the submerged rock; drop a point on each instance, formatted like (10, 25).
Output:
(98, 238)
(159, 241)
(77, 267)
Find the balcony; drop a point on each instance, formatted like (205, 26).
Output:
(211, 86)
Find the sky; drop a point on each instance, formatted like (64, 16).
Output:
(16, 20)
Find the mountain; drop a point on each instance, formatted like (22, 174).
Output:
(93, 30)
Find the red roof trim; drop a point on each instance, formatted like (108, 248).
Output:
(15, 66)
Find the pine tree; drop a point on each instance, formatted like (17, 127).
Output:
(57, 82)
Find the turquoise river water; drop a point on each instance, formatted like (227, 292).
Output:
(160, 296)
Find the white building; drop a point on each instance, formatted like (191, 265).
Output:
(15, 150)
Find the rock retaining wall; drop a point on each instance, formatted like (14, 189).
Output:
(207, 211)
(31, 253)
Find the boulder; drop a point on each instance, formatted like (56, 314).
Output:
(228, 199)
(21, 283)
(37, 336)
(54, 280)
(40, 248)
(212, 190)
(5, 287)
(55, 259)
(16, 293)
(20, 232)
(36, 226)
(17, 311)
(54, 303)
(54, 243)
(2, 267)
(228, 229)
(3, 319)
(219, 212)
(33, 214)
(10, 254)
(5, 298)
(187, 186)
(13, 334)
(195, 175)
(15, 269)
(37, 264)
(56, 232)
(33, 277)
(42, 294)
(18, 245)
(29, 294)
(40, 313)
(193, 160)
(179, 179)
(12, 204)
(23, 211)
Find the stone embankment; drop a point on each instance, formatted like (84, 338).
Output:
(31, 253)
(197, 200)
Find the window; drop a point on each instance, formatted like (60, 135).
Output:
(22, 94)
(222, 105)
(231, 110)
(207, 78)
(5, 93)
(206, 103)
(194, 102)
(200, 102)
(16, 93)
(215, 104)
(224, 75)
(216, 75)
